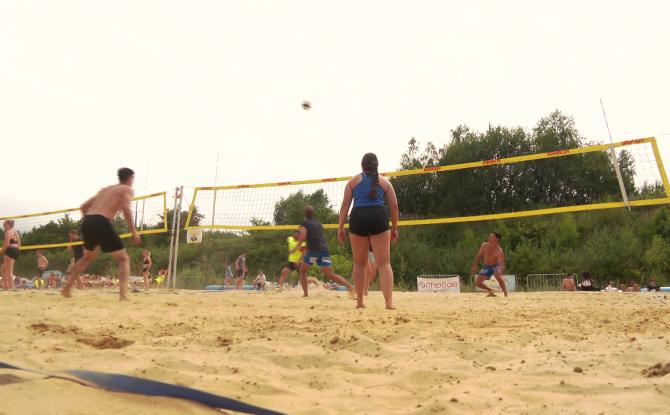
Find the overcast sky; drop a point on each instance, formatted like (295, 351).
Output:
(89, 86)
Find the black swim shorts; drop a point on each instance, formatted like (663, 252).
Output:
(12, 252)
(368, 220)
(97, 231)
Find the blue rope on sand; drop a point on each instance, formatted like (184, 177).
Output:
(131, 384)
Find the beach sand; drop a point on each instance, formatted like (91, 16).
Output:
(534, 353)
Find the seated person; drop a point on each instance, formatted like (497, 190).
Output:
(587, 282)
(568, 283)
(652, 286)
(629, 287)
(611, 287)
(52, 282)
(260, 281)
(38, 282)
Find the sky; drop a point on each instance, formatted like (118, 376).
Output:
(161, 86)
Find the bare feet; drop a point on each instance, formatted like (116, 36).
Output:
(490, 294)
(506, 295)
(360, 305)
(390, 307)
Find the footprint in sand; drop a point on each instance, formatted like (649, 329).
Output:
(54, 328)
(105, 342)
(657, 370)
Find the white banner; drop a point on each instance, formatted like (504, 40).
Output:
(438, 284)
(510, 282)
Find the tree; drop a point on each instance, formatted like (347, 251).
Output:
(290, 210)
(196, 218)
(495, 188)
(55, 231)
(657, 256)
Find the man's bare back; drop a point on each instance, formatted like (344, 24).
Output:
(99, 233)
(568, 285)
(42, 262)
(109, 201)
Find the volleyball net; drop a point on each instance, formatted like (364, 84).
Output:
(543, 183)
(50, 229)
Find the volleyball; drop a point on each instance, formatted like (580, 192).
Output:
(306, 105)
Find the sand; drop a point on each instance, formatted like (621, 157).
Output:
(535, 353)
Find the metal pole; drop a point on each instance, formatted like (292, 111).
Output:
(176, 242)
(617, 169)
(146, 181)
(172, 233)
(216, 178)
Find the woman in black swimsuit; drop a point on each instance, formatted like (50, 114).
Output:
(10, 249)
(146, 267)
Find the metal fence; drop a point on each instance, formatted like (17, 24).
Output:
(546, 282)
(191, 282)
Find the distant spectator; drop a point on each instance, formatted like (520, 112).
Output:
(38, 282)
(651, 285)
(587, 282)
(42, 263)
(260, 281)
(160, 278)
(611, 287)
(622, 287)
(228, 278)
(52, 282)
(636, 287)
(241, 267)
(568, 283)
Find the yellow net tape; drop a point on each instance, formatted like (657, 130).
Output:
(149, 212)
(198, 206)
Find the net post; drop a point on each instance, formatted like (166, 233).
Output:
(142, 220)
(216, 179)
(190, 209)
(614, 161)
(661, 168)
(176, 244)
(172, 233)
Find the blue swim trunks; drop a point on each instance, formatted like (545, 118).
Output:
(321, 258)
(488, 270)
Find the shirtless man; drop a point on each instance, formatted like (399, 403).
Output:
(42, 263)
(494, 264)
(99, 234)
(241, 267)
(568, 283)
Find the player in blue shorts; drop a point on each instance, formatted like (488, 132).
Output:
(317, 253)
(494, 264)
